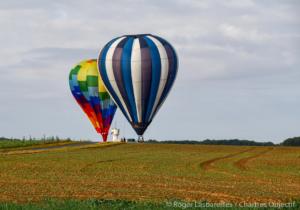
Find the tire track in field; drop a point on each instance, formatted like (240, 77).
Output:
(102, 161)
(206, 165)
(104, 146)
(242, 163)
(73, 146)
(42, 148)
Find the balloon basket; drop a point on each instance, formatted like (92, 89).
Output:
(140, 139)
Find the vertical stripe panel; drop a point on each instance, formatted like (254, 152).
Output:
(111, 77)
(126, 75)
(136, 76)
(104, 76)
(173, 68)
(156, 69)
(146, 66)
(119, 69)
(163, 73)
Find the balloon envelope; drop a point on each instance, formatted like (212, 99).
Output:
(89, 91)
(138, 72)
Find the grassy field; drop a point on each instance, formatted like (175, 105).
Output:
(5, 144)
(152, 173)
(93, 204)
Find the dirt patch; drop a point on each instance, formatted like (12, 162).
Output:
(98, 162)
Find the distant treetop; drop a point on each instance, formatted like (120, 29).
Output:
(295, 141)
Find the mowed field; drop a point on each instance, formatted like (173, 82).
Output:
(152, 172)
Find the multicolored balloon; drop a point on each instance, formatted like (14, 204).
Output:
(90, 93)
(138, 72)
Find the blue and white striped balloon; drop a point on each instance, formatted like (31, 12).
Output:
(138, 72)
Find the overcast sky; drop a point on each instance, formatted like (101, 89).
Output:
(239, 65)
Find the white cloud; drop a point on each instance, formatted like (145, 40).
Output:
(243, 34)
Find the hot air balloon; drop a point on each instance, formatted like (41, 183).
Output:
(89, 92)
(138, 72)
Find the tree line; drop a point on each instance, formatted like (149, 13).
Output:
(295, 141)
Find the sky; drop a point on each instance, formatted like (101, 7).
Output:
(238, 76)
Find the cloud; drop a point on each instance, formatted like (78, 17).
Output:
(234, 32)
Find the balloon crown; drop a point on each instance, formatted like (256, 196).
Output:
(136, 35)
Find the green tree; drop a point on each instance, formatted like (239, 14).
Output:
(295, 141)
